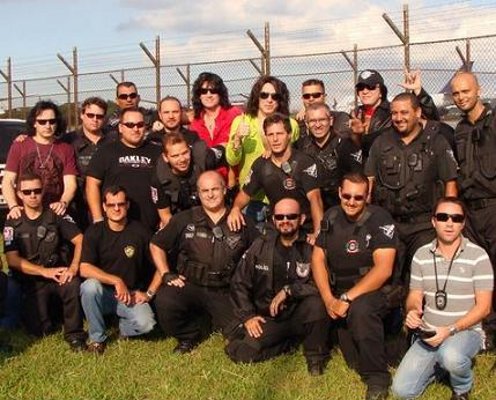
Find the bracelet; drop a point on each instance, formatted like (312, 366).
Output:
(14, 206)
(150, 294)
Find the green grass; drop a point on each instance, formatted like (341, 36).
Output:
(147, 370)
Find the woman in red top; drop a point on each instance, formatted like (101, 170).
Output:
(213, 116)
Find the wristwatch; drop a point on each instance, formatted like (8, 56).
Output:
(150, 294)
(344, 297)
(452, 330)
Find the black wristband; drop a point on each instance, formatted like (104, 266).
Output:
(169, 277)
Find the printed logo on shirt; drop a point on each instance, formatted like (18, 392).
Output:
(129, 251)
(311, 171)
(135, 161)
(289, 184)
(302, 269)
(8, 235)
(368, 236)
(154, 193)
(190, 227)
(388, 230)
(262, 267)
(352, 246)
(357, 156)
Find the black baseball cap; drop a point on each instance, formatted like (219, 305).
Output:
(369, 77)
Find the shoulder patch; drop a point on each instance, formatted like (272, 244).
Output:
(388, 230)
(311, 170)
(8, 235)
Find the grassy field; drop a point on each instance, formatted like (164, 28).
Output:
(147, 370)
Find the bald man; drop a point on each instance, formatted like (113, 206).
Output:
(475, 138)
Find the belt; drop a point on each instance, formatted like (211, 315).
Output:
(480, 203)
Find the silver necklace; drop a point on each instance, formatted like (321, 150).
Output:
(43, 162)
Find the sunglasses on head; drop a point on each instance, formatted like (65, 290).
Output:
(362, 86)
(132, 125)
(209, 90)
(93, 116)
(273, 96)
(316, 95)
(51, 121)
(131, 96)
(356, 197)
(289, 217)
(455, 218)
(28, 192)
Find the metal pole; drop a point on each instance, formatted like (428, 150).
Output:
(406, 32)
(261, 49)
(267, 49)
(355, 72)
(157, 66)
(8, 78)
(467, 52)
(76, 86)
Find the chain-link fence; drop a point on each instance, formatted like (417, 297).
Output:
(438, 60)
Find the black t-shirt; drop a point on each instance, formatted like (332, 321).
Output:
(299, 179)
(131, 168)
(283, 257)
(335, 158)
(350, 244)
(124, 254)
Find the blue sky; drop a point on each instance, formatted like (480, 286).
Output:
(35, 30)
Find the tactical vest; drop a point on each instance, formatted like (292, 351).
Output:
(406, 182)
(181, 190)
(208, 255)
(477, 158)
(39, 244)
(343, 277)
(327, 160)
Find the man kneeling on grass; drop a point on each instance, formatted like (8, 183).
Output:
(274, 297)
(116, 264)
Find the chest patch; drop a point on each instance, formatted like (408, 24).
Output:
(352, 246)
(302, 269)
(289, 184)
(129, 251)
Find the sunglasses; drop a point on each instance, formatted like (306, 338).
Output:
(131, 96)
(273, 96)
(132, 125)
(455, 218)
(118, 205)
(51, 121)
(357, 197)
(29, 192)
(368, 87)
(209, 90)
(316, 95)
(289, 217)
(93, 116)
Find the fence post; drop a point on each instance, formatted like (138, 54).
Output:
(187, 80)
(8, 77)
(155, 59)
(22, 92)
(264, 51)
(67, 90)
(405, 36)
(74, 71)
(354, 67)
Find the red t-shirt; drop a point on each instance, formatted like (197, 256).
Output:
(50, 161)
(221, 131)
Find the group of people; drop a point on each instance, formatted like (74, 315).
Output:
(273, 230)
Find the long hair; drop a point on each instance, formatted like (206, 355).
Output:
(43, 105)
(280, 88)
(217, 83)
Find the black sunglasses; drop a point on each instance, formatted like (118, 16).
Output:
(274, 96)
(289, 217)
(118, 205)
(28, 192)
(93, 115)
(315, 95)
(51, 121)
(362, 86)
(456, 218)
(207, 90)
(131, 96)
(132, 125)
(357, 197)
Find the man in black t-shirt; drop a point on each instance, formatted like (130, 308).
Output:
(335, 155)
(116, 264)
(286, 173)
(35, 253)
(355, 251)
(130, 163)
(276, 303)
(196, 254)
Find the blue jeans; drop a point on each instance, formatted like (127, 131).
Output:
(99, 300)
(420, 364)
